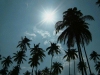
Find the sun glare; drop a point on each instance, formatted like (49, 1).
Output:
(49, 16)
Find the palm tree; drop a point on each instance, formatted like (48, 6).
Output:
(81, 66)
(46, 71)
(19, 57)
(97, 67)
(3, 71)
(37, 55)
(94, 56)
(15, 70)
(98, 2)
(24, 43)
(38, 51)
(68, 57)
(56, 68)
(75, 29)
(6, 62)
(52, 50)
(27, 73)
(74, 56)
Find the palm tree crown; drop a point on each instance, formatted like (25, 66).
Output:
(24, 43)
(19, 57)
(6, 62)
(95, 56)
(56, 68)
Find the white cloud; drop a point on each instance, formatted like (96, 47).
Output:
(26, 68)
(30, 34)
(46, 42)
(43, 33)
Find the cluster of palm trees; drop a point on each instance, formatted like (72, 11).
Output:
(37, 56)
(75, 34)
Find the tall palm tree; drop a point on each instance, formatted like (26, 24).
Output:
(27, 73)
(38, 51)
(56, 68)
(75, 29)
(46, 71)
(7, 61)
(97, 67)
(19, 57)
(37, 55)
(94, 56)
(24, 43)
(81, 66)
(74, 56)
(3, 71)
(52, 50)
(68, 57)
(15, 70)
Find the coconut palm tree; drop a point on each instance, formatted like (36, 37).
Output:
(94, 56)
(97, 67)
(52, 50)
(68, 57)
(81, 66)
(37, 55)
(3, 71)
(34, 62)
(38, 51)
(7, 61)
(75, 29)
(19, 57)
(15, 71)
(26, 73)
(98, 2)
(56, 68)
(24, 43)
(46, 71)
(74, 56)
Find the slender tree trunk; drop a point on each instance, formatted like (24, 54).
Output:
(87, 60)
(32, 71)
(69, 67)
(51, 66)
(79, 53)
(74, 67)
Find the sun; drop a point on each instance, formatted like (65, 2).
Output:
(49, 16)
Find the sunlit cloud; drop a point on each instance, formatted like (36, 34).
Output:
(43, 33)
(46, 42)
(54, 33)
(30, 34)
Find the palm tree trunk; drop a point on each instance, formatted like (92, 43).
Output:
(87, 60)
(51, 66)
(69, 67)
(74, 67)
(79, 53)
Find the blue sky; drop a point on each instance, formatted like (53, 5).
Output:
(19, 18)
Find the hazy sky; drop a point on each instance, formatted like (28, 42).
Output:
(19, 18)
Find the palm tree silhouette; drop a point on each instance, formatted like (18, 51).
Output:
(7, 61)
(37, 55)
(97, 67)
(68, 57)
(46, 71)
(81, 66)
(15, 70)
(56, 68)
(52, 50)
(74, 56)
(24, 43)
(3, 71)
(26, 73)
(94, 56)
(75, 30)
(19, 57)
